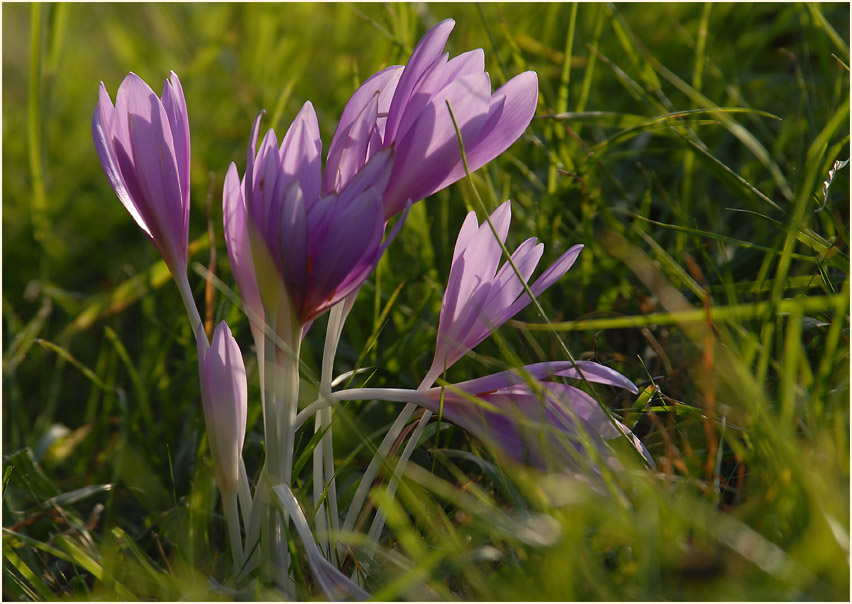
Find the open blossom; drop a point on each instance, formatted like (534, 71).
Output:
(406, 107)
(479, 297)
(143, 145)
(285, 237)
(224, 397)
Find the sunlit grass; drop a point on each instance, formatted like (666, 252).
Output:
(685, 145)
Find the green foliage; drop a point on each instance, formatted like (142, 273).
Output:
(685, 145)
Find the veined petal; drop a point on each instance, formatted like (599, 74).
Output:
(380, 85)
(224, 396)
(102, 132)
(350, 242)
(553, 273)
(429, 150)
(147, 149)
(239, 250)
(427, 51)
(512, 108)
(350, 151)
(442, 73)
(301, 153)
(175, 106)
(292, 233)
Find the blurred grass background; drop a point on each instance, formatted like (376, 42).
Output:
(685, 145)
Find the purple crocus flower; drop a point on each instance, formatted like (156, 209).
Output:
(521, 413)
(143, 145)
(479, 297)
(406, 106)
(529, 425)
(285, 239)
(224, 397)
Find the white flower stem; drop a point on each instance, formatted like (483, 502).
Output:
(189, 303)
(385, 394)
(323, 461)
(232, 519)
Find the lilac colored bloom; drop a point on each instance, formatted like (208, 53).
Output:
(143, 145)
(479, 297)
(532, 425)
(286, 239)
(406, 107)
(224, 396)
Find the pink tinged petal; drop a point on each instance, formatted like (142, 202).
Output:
(427, 51)
(224, 397)
(597, 373)
(469, 228)
(250, 155)
(547, 278)
(102, 132)
(175, 105)
(593, 372)
(381, 85)
(512, 109)
(430, 149)
(238, 245)
(301, 153)
(350, 153)
(481, 257)
(147, 148)
(440, 74)
(503, 290)
(292, 232)
(349, 246)
(267, 165)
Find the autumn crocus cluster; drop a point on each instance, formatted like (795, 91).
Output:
(302, 238)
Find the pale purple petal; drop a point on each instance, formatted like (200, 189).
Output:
(427, 51)
(554, 272)
(224, 395)
(350, 152)
(102, 131)
(381, 85)
(145, 148)
(175, 106)
(293, 234)
(238, 245)
(430, 148)
(512, 109)
(301, 153)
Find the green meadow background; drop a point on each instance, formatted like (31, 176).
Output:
(686, 145)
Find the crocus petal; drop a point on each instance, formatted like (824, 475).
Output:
(301, 153)
(175, 106)
(427, 51)
(224, 396)
(102, 131)
(239, 247)
(553, 273)
(430, 149)
(512, 109)
(145, 149)
(293, 235)
(350, 151)
(381, 87)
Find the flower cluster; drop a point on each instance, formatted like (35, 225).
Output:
(303, 238)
